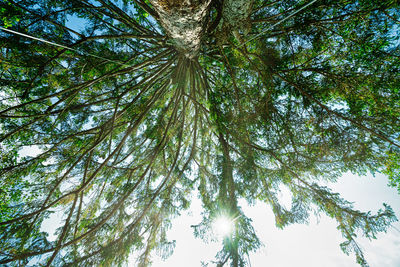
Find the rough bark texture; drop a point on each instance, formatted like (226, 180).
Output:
(183, 20)
(235, 14)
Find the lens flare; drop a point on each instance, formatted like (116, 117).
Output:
(223, 226)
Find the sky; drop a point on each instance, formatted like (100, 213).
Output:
(312, 245)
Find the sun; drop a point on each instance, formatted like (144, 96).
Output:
(223, 226)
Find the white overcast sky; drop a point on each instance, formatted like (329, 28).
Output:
(313, 245)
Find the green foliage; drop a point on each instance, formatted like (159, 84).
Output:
(9, 14)
(127, 128)
(393, 169)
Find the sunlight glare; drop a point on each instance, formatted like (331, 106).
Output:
(223, 226)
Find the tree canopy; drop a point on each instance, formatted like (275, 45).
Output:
(150, 101)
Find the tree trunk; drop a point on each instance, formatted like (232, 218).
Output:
(184, 22)
(235, 14)
(228, 184)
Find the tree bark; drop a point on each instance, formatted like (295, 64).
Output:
(235, 14)
(184, 22)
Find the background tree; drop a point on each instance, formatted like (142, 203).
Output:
(154, 100)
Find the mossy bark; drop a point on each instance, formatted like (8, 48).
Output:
(235, 13)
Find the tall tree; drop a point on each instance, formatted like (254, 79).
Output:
(149, 101)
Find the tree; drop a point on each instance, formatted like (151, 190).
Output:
(153, 100)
